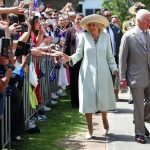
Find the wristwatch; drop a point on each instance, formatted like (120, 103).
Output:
(9, 66)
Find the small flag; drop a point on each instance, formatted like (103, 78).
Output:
(35, 4)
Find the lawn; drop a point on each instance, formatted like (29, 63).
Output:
(62, 122)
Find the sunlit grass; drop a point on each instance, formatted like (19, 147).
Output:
(62, 122)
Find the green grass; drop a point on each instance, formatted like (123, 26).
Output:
(62, 122)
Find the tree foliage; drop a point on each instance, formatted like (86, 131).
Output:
(120, 7)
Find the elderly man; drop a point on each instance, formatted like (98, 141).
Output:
(134, 65)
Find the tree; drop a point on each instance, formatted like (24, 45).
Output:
(120, 7)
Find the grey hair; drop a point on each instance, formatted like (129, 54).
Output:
(141, 14)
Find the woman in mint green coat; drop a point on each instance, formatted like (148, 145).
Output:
(95, 82)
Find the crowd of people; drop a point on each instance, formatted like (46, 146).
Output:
(90, 54)
(30, 36)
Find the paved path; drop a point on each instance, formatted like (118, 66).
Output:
(121, 135)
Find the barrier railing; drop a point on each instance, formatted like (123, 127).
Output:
(6, 125)
(46, 87)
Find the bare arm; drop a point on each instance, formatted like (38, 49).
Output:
(14, 10)
(5, 80)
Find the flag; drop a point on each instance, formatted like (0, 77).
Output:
(35, 4)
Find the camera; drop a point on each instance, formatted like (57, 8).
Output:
(22, 48)
(4, 46)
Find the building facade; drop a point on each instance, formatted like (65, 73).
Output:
(90, 6)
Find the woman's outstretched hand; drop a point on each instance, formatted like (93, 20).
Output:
(65, 58)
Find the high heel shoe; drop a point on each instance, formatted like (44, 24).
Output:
(88, 136)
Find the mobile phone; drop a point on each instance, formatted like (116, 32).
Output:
(4, 46)
(13, 19)
(21, 18)
(22, 48)
(24, 27)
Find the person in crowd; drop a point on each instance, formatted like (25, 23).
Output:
(72, 16)
(67, 21)
(17, 112)
(115, 37)
(134, 69)
(37, 37)
(95, 82)
(133, 10)
(125, 26)
(67, 8)
(4, 80)
(116, 21)
(70, 45)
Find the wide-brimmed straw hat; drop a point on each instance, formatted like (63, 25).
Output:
(137, 6)
(94, 18)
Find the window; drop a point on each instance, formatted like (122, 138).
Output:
(79, 8)
(89, 11)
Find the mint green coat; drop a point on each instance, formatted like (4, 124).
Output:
(95, 81)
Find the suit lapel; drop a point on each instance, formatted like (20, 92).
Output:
(148, 40)
(139, 38)
(73, 33)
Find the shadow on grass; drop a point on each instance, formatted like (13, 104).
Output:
(62, 122)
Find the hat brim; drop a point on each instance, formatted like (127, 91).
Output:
(132, 10)
(94, 18)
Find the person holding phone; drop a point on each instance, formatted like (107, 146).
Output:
(5, 79)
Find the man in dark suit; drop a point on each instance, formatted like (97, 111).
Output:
(115, 37)
(70, 45)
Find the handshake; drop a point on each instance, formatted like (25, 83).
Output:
(63, 58)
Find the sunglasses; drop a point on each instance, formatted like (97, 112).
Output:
(107, 15)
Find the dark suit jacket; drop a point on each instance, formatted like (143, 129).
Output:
(70, 41)
(69, 49)
(117, 37)
(2, 33)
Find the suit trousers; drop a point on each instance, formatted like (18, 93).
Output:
(74, 74)
(139, 95)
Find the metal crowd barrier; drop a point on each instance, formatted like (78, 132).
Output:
(6, 125)
(46, 87)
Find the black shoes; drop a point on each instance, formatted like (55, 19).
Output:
(130, 101)
(140, 139)
(146, 130)
(33, 130)
(97, 112)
